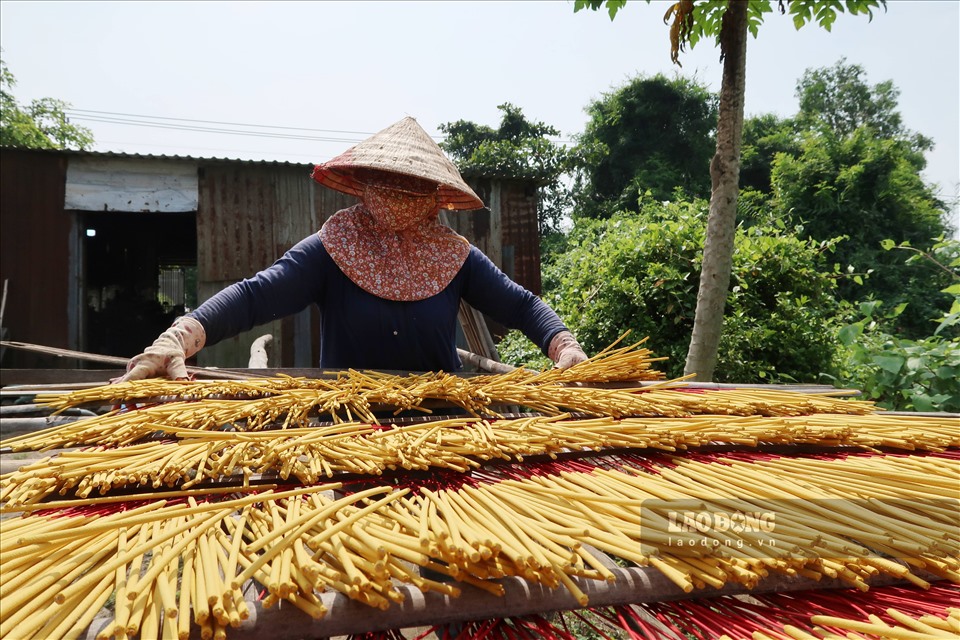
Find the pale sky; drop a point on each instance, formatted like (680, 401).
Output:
(348, 69)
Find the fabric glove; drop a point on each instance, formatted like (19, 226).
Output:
(167, 355)
(565, 351)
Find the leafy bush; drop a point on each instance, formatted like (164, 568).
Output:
(640, 272)
(939, 271)
(517, 350)
(902, 374)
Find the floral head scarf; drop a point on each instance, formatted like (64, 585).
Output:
(393, 244)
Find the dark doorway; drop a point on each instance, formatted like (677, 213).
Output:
(139, 275)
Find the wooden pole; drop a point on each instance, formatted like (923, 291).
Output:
(485, 364)
(96, 357)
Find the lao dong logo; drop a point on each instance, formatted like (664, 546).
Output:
(734, 522)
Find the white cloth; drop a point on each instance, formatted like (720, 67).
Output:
(166, 357)
(565, 351)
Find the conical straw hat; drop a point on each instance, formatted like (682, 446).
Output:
(403, 148)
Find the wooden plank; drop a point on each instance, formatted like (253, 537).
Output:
(57, 378)
(72, 376)
(716, 386)
(10, 427)
(20, 381)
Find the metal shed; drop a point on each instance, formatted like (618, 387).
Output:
(100, 251)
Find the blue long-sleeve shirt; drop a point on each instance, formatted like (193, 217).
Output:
(363, 331)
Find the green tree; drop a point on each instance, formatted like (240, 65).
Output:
(833, 101)
(728, 23)
(858, 174)
(43, 124)
(651, 135)
(838, 100)
(518, 148)
(765, 136)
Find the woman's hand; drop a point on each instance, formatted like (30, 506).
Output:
(565, 351)
(167, 356)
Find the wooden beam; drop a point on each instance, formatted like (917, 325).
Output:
(346, 616)
(483, 363)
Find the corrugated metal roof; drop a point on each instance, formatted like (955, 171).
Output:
(150, 156)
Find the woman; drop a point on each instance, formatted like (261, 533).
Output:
(386, 274)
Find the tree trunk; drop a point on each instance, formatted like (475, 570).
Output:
(725, 175)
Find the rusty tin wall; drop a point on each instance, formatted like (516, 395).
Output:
(506, 231)
(521, 232)
(35, 260)
(248, 216)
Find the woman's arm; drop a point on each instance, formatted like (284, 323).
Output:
(490, 291)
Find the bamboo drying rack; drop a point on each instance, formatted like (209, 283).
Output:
(521, 597)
